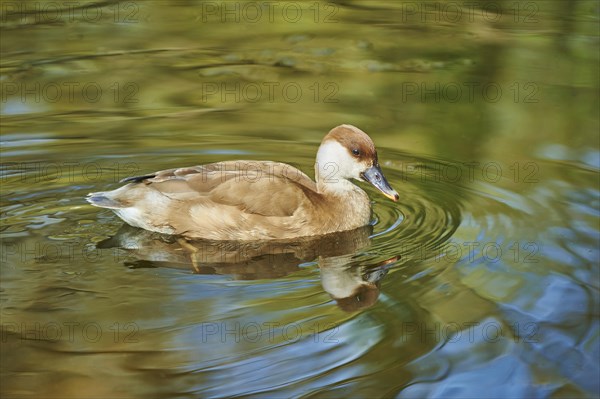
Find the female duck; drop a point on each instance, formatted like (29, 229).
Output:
(256, 200)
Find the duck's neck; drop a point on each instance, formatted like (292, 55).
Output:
(341, 190)
(329, 180)
(347, 205)
(335, 186)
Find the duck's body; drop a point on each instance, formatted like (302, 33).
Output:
(256, 200)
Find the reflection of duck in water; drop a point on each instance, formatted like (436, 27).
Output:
(256, 200)
(352, 286)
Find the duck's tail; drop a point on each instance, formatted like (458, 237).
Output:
(103, 199)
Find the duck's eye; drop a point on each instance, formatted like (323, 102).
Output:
(356, 152)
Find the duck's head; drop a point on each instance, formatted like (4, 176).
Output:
(347, 152)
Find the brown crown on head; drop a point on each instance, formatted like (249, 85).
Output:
(352, 138)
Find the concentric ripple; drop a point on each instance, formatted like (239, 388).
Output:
(425, 217)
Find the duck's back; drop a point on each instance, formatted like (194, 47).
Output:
(239, 200)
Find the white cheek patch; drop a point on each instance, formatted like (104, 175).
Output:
(334, 162)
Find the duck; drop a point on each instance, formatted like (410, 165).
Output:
(256, 200)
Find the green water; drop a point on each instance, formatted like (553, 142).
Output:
(482, 281)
